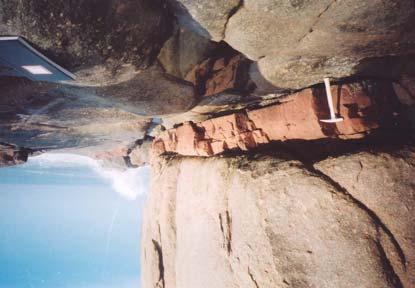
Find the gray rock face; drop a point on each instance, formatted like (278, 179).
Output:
(385, 184)
(295, 72)
(85, 33)
(183, 51)
(108, 45)
(268, 221)
(46, 116)
(211, 15)
(150, 92)
(298, 42)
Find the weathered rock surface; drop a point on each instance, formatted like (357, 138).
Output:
(364, 106)
(140, 155)
(183, 51)
(211, 15)
(385, 184)
(39, 116)
(271, 221)
(297, 43)
(405, 90)
(108, 45)
(150, 92)
(84, 34)
(214, 76)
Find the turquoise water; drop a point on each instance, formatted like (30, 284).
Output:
(66, 226)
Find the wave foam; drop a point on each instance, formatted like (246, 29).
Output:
(129, 183)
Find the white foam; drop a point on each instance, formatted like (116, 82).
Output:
(129, 183)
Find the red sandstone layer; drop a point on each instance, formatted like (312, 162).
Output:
(297, 117)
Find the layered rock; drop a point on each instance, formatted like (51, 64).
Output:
(273, 221)
(214, 76)
(364, 106)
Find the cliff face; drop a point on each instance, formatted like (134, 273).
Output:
(208, 78)
(274, 221)
(294, 43)
(182, 60)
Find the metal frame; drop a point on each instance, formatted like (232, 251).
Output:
(27, 45)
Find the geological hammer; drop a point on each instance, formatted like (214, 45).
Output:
(333, 118)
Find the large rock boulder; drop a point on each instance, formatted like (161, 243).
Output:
(208, 18)
(296, 42)
(385, 184)
(88, 33)
(272, 221)
(183, 51)
(108, 45)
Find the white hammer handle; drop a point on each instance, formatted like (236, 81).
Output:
(329, 97)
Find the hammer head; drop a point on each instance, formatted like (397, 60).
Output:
(332, 120)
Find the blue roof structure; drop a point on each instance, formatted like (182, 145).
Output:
(19, 59)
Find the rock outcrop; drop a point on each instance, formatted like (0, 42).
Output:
(91, 34)
(111, 46)
(214, 76)
(209, 18)
(364, 107)
(205, 77)
(183, 51)
(39, 116)
(296, 43)
(273, 221)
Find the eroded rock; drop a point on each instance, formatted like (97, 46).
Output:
(364, 106)
(41, 116)
(385, 184)
(297, 43)
(108, 45)
(270, 221)
(184, 50)
(87, 33)
(214, 76)
(211, 15)
(140, 155)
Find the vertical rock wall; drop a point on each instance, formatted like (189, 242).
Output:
(273, 221)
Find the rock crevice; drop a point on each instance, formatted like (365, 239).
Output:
(159, 251)
(376, 219)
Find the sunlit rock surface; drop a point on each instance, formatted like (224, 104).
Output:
(271, 196)
(40, 116)
(364, 107)
(297, 43)
(275, 221)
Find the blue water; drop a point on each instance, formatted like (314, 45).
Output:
(67, 227)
